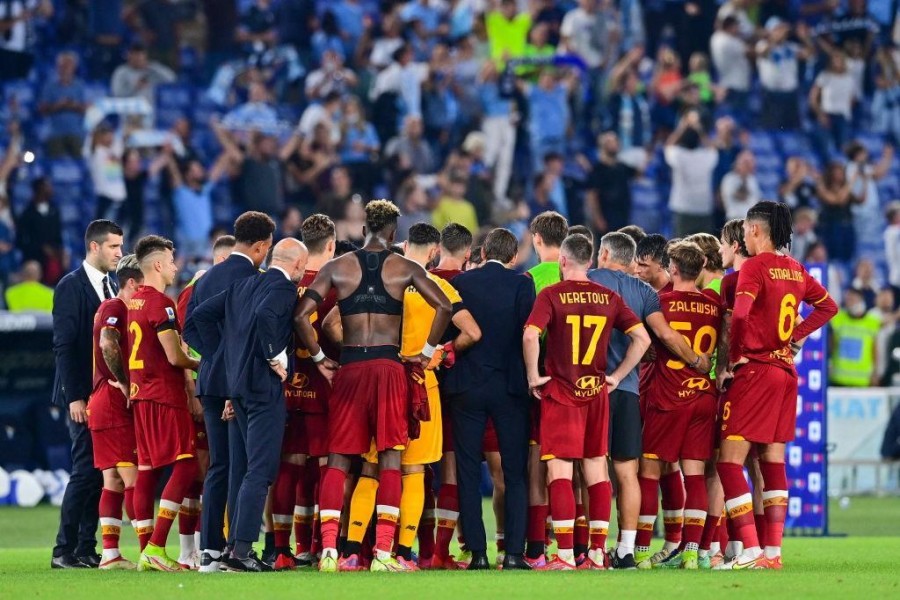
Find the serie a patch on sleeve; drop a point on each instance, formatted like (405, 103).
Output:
(112, 320)
(170, 312)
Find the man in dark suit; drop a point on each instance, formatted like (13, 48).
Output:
(256, 314)
(253, 238)
(489, 380)
(77, 298)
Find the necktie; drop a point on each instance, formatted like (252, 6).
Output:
(107, 292)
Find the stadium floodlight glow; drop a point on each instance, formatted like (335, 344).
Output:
(28, 157)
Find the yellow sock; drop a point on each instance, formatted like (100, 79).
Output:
(362, 505)
(412, 504)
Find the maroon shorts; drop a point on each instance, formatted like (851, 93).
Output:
(575, 431)
(760, 405)
(305, 433)
(687, 432)
(200, 440)
(114, 447)
(368, 402)
(164, 433)
(490, 443)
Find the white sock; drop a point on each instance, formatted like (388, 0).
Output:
(703, 553)
(596, 555)
(734, 549)
(383, 555)
(109, 554)
(187, 546)
(773, 551)
(715, 548)
(752, 552)
(626, 543)
(566, 555)
(197, 539)
(329, 553)
(671, 546)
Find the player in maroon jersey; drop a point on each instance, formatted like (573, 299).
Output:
(577, 316)
(157, 367)
(109, 414)
(761, 400)
(679, 422)
(306, 429)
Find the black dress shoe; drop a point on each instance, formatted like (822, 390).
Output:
(67, 561)
(479, 562)
(91, 560)
(242, 565)
(264, 566)
(515, 562)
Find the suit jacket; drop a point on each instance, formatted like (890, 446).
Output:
(211, 378)
(500, 300)
(74, 304)
(255, 314)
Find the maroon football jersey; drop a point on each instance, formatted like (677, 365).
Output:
(729, 284)
(446, 274)
(578, 318)
(776, 284)
(107, 406)
(152, 377)
(306, 388)
(698, 317)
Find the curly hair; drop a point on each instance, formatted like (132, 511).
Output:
(316, 231)
(381, 214)
(253, 226)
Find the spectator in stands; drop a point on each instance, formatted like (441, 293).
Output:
(7, 241)
(852, 23)
(892, 246)
(329, 36)
(256, 113)
(665, 87)
(737, 10)
(289, 224)
(886, 99)
(700, 76)
(193, 203)
(539, 200)
(836, 198)
(339, 194)
(453, 206)
(804, 235)
(429, 13)
(16, 55)
(39, 232)
(351, 224)
(818, 254)
(731, 57)
(628, 112)
(256, 169)
(352, 22)
(155, 23)
(853, 355)
(590, 35)
(103, 152)
(831, 99)
(410, 150)
(295, 19)
(728, 146)
(887, 313)
(359, 145)
(139, 76)
(62, 101)
(740, 189)
(324, 113)
(257, 30)
(221, 22)
(498, 128)
(29, 295)
(549, 119)
(609, 187)
(507, 31)
(332, 76)
(778, 62)
(413, 201)
(399, 81)
(390, 40)
(692, 159)
(439, 104)
(104, 31)
(866, 281)
(798, 189)
(867, 214)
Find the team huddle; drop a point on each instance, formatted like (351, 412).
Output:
(315, 397)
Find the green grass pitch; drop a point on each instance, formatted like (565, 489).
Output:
(865, 563)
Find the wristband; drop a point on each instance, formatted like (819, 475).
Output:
(428, 350)
(319, 357)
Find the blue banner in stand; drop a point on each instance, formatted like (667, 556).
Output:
(807, 463)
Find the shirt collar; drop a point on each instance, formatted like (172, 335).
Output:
(94, 274)
(494, 260)
(283, 271)
(236, 253)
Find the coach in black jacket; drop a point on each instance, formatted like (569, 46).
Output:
(489, 380)
(75, 301)
(253, 236)
(256, 315)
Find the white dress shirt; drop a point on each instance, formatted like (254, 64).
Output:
(95, 276)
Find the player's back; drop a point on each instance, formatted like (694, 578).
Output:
(151, 312)
(777, 284)
(113, 313)
(698, 317)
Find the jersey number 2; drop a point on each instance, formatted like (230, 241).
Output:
(594, 322)
(134, 362)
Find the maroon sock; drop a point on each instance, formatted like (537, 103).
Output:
(673, 505)
(710, 529)
(775, 501)
(387, 508)
(144, 495)
(304, 492)
(562, 499)
(582, 532)
(695, 505)
(284, 492)
(330, 505)
(600, 509)
(649, 510)
(189, 513)
(184, 474)
(537, 519)
(110, 511)
(446, 515)
(738, 503)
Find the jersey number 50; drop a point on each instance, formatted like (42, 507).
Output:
(704, 341)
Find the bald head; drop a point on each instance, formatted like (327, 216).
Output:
(291, 255)
(31, 271)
